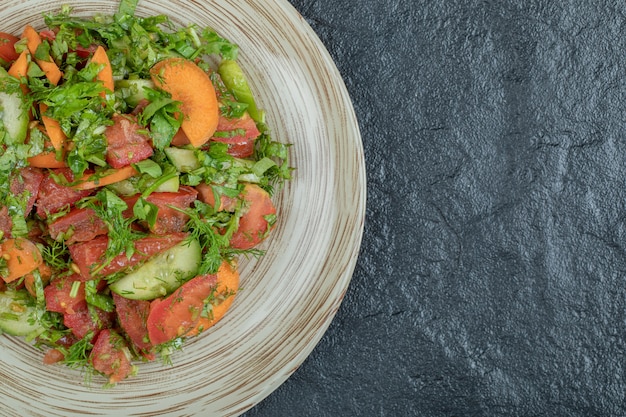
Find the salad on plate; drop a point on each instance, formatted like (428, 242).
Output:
(135, 170)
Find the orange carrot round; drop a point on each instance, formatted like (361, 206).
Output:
(22, 257)
(190, 85)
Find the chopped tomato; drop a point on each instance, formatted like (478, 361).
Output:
(239, 134)
(132, 316)
(110, 356)
(87, 255)
(206, 195)
(177, 314)
(79, 225)
(256, 222)
(7, 47)
(59, 297)
(126, 142)
(53, 197)
(27, 180)
(169, 220)
(86, 319)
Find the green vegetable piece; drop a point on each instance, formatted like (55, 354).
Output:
(161, 274)
(17, 316)
(235, 80)
(133, 90)
(184, 160)
(13, 111)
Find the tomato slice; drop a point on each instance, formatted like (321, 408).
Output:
(88, 254)
(239, 134)
(79, 225)
(110, 356)
(177, 314)
(59, 297)
(254, 225)
(53, 197)
(125, 143)
(169, 220)
(82, 321)
(132, 316)
(7, 47)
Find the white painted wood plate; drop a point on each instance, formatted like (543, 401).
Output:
(291, 295)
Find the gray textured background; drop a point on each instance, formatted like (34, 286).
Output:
(491, 276)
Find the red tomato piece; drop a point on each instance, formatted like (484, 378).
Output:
(177, 314)
(79, 225)
(132, 316)
(58, 295)
(253, 225)
(126, 144)
(82, 321)
(239, 134)
(206, 195)
(110, 356)
(27, 179)
(169, 220)
(7, 47)
(53, 197)
(89, 254)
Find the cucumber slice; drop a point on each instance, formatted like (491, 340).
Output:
(161, 274)
(129, 186)
(132, 90)
(184, 160)
(13, 111)
(16, 317)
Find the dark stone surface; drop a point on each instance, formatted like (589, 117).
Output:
(491, 277)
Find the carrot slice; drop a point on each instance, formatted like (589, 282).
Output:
(22, 257)
(106, 73)
(190, 85)
(50, 68)
(112, 176)
(19, 69)
(53, 129)
(46, 160)
(227, 283)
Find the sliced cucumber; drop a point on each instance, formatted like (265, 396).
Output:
(13, 110)
(16, 316)
(162, 274)
(132, 90)
(184, 160)
(130, 186)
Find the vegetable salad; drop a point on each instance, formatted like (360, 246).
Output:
(136, 168)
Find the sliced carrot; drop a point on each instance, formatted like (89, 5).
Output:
(111, 176)
(19, 69)
(22, 257)
(53, 129)
(190, 85)
(227, 284)
(46, 160)
(50, 68)
(106, 73)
